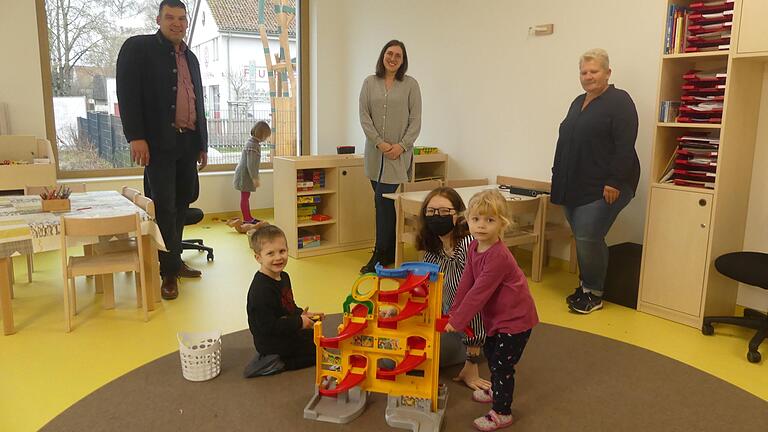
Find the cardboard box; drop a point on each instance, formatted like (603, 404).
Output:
(26, 148)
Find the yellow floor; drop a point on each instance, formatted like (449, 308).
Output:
(44, 370)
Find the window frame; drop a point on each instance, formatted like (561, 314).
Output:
(303, 118)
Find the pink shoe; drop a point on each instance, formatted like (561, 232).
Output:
(482, 396)
(493, 421)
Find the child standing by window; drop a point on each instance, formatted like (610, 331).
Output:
(492, 283)
(278, 326)
(247, 172)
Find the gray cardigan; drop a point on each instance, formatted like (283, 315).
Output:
(392, 116)
(248, 168)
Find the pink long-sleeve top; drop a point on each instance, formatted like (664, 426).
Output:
(494, 285)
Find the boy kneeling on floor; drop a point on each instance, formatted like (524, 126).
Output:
(282, 331)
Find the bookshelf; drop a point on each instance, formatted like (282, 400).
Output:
(344, 195)
(687, 228)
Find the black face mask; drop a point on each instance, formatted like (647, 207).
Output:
(440, 225)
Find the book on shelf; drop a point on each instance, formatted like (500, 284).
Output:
(691, 119)
(308, 199)
(696, 29)
(701, 138)
(694, 183)
(694, 160)
(669, 111)
(708, 48)
(701, 18)
(712, 6)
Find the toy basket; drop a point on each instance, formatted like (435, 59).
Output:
(200, 355)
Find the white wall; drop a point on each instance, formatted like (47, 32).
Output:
(756, 236)
(20, 77)
(493, 96)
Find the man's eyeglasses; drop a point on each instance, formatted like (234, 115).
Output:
(443, 211)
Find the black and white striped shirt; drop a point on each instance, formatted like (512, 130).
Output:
(452, 267)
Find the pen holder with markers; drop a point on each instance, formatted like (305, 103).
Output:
(56, 205)
(56, 199)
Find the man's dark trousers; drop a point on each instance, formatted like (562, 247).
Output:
(173, 184)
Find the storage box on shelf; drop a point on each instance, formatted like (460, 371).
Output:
(688, 227)
(25, 160)
(323, 203)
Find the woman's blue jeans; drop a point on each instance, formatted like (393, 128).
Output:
(590, 224)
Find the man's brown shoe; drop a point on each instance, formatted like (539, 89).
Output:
(170, 288)
(188, 272)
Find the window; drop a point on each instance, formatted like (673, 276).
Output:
(85, 37)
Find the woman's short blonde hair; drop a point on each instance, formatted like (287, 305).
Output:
(489, 203)
(596, 54)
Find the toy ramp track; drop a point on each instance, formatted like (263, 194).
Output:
(355, 375)
(356, 324)
(410, 282)
(349, 381)
(409, 363)
(411, 308)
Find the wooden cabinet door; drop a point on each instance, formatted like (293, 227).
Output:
(675, 253)
(753, 30)
(357, 214)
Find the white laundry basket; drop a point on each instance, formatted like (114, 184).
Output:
(200, 355)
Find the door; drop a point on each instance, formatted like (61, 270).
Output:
(357, 215)
(753, 36)
(675, 250)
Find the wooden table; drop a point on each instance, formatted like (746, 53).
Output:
(25, 229)
(408, 205)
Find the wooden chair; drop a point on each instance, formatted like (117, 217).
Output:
(130, 193)
(37, 190)
(101, 264)
(466, 183)
(146, 204)
(106, 246)
(426, 185)
(551, 230)
(528, 233)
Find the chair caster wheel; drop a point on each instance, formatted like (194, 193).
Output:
(707, 329)
(753, 356)
(210, 256)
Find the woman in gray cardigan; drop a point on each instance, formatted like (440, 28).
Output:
(390, 115)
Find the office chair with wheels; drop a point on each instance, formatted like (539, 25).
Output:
(750, 268)
(193, 216)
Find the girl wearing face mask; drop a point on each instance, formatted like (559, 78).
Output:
(444, 237)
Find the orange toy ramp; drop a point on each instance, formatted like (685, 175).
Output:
(411, 309)
(356, 375)
(409, 363)
(411, 281)
(349, 381)
(356, 324)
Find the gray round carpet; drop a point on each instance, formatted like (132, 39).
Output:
(567, 381)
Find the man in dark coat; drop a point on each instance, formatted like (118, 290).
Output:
(160, 94)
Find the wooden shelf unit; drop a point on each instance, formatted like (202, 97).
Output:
(347, 198)
(688, 228)
(432, 166)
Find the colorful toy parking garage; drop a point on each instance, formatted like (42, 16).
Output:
(388, 342)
